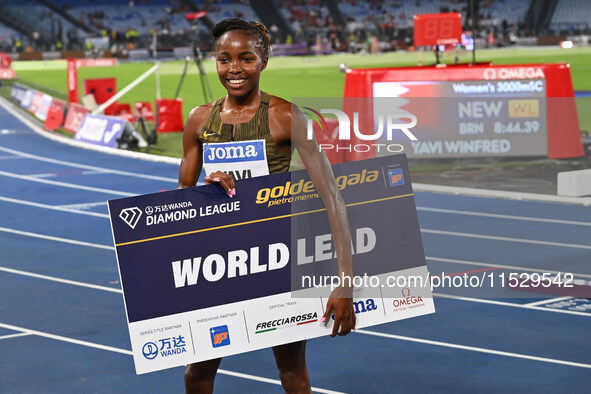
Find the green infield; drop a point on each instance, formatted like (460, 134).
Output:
(288, 77)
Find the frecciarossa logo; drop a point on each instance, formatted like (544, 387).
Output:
(291, 321)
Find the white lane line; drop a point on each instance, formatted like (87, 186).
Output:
(20, 334)
(46, 175)
(60, 280)
(94, 172)
(84, 205)
(87, 167)
(58, 239)
(508, 239)
(129, 353)
(271, 381)
(65, 339)
(477, 300)
(62, 208)
(499, 216)
(475, 349)
(13, 131)
(530, 306)
(548, 301)
(68, 185)
(507, 267)
(487, 193)
(511, 304)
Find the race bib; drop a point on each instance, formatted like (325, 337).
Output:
(241, 159)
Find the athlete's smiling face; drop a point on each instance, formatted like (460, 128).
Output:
(239, 62)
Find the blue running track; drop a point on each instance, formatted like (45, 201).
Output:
(62, 319)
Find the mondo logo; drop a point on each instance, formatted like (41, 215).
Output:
(362, 306)
(131, 216)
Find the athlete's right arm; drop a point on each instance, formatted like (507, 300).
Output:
(192, 160)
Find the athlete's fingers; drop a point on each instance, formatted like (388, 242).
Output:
(331, 312)
(209, 180)
(224, 180)
(230, 190)
(328, 312)
(346, 325)
(343, 315)
(335, 328)
(214, 177)
(326, 317)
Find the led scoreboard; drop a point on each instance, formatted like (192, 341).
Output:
(463, 111)
(438, 29)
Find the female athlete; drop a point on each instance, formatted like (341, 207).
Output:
(246, 113)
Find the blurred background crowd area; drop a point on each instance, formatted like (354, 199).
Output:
(127, 27)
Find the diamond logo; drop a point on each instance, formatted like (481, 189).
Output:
(131, 216)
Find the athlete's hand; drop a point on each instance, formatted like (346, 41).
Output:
(340, 303)
(224, 180)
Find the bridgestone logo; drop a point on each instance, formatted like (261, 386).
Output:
(131, 216)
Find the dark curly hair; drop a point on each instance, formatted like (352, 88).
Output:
(249, 28)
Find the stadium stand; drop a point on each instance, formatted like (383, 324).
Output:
(8, 38)
(123, 15)
(317, 26)
(391, 19)
(38, 26)
(307, 19)
(130, 23)
(572, 16)
(223, 9)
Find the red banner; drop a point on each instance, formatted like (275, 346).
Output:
(72, 81)
(5, 60)
(102, 62)
(7, 73)
(55, 114)
(145, 108)
(74, 118)
(170, 115)
(102, 89)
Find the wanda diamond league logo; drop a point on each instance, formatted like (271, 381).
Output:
(131, 216)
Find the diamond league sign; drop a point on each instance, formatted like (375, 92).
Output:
(207, 276)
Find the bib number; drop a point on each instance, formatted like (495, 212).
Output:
(241, 159)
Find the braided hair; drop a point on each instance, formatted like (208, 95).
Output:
(249, 28)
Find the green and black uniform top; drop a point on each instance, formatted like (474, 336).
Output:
(257, 128)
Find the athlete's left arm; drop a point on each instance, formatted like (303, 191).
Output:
(340, 301)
